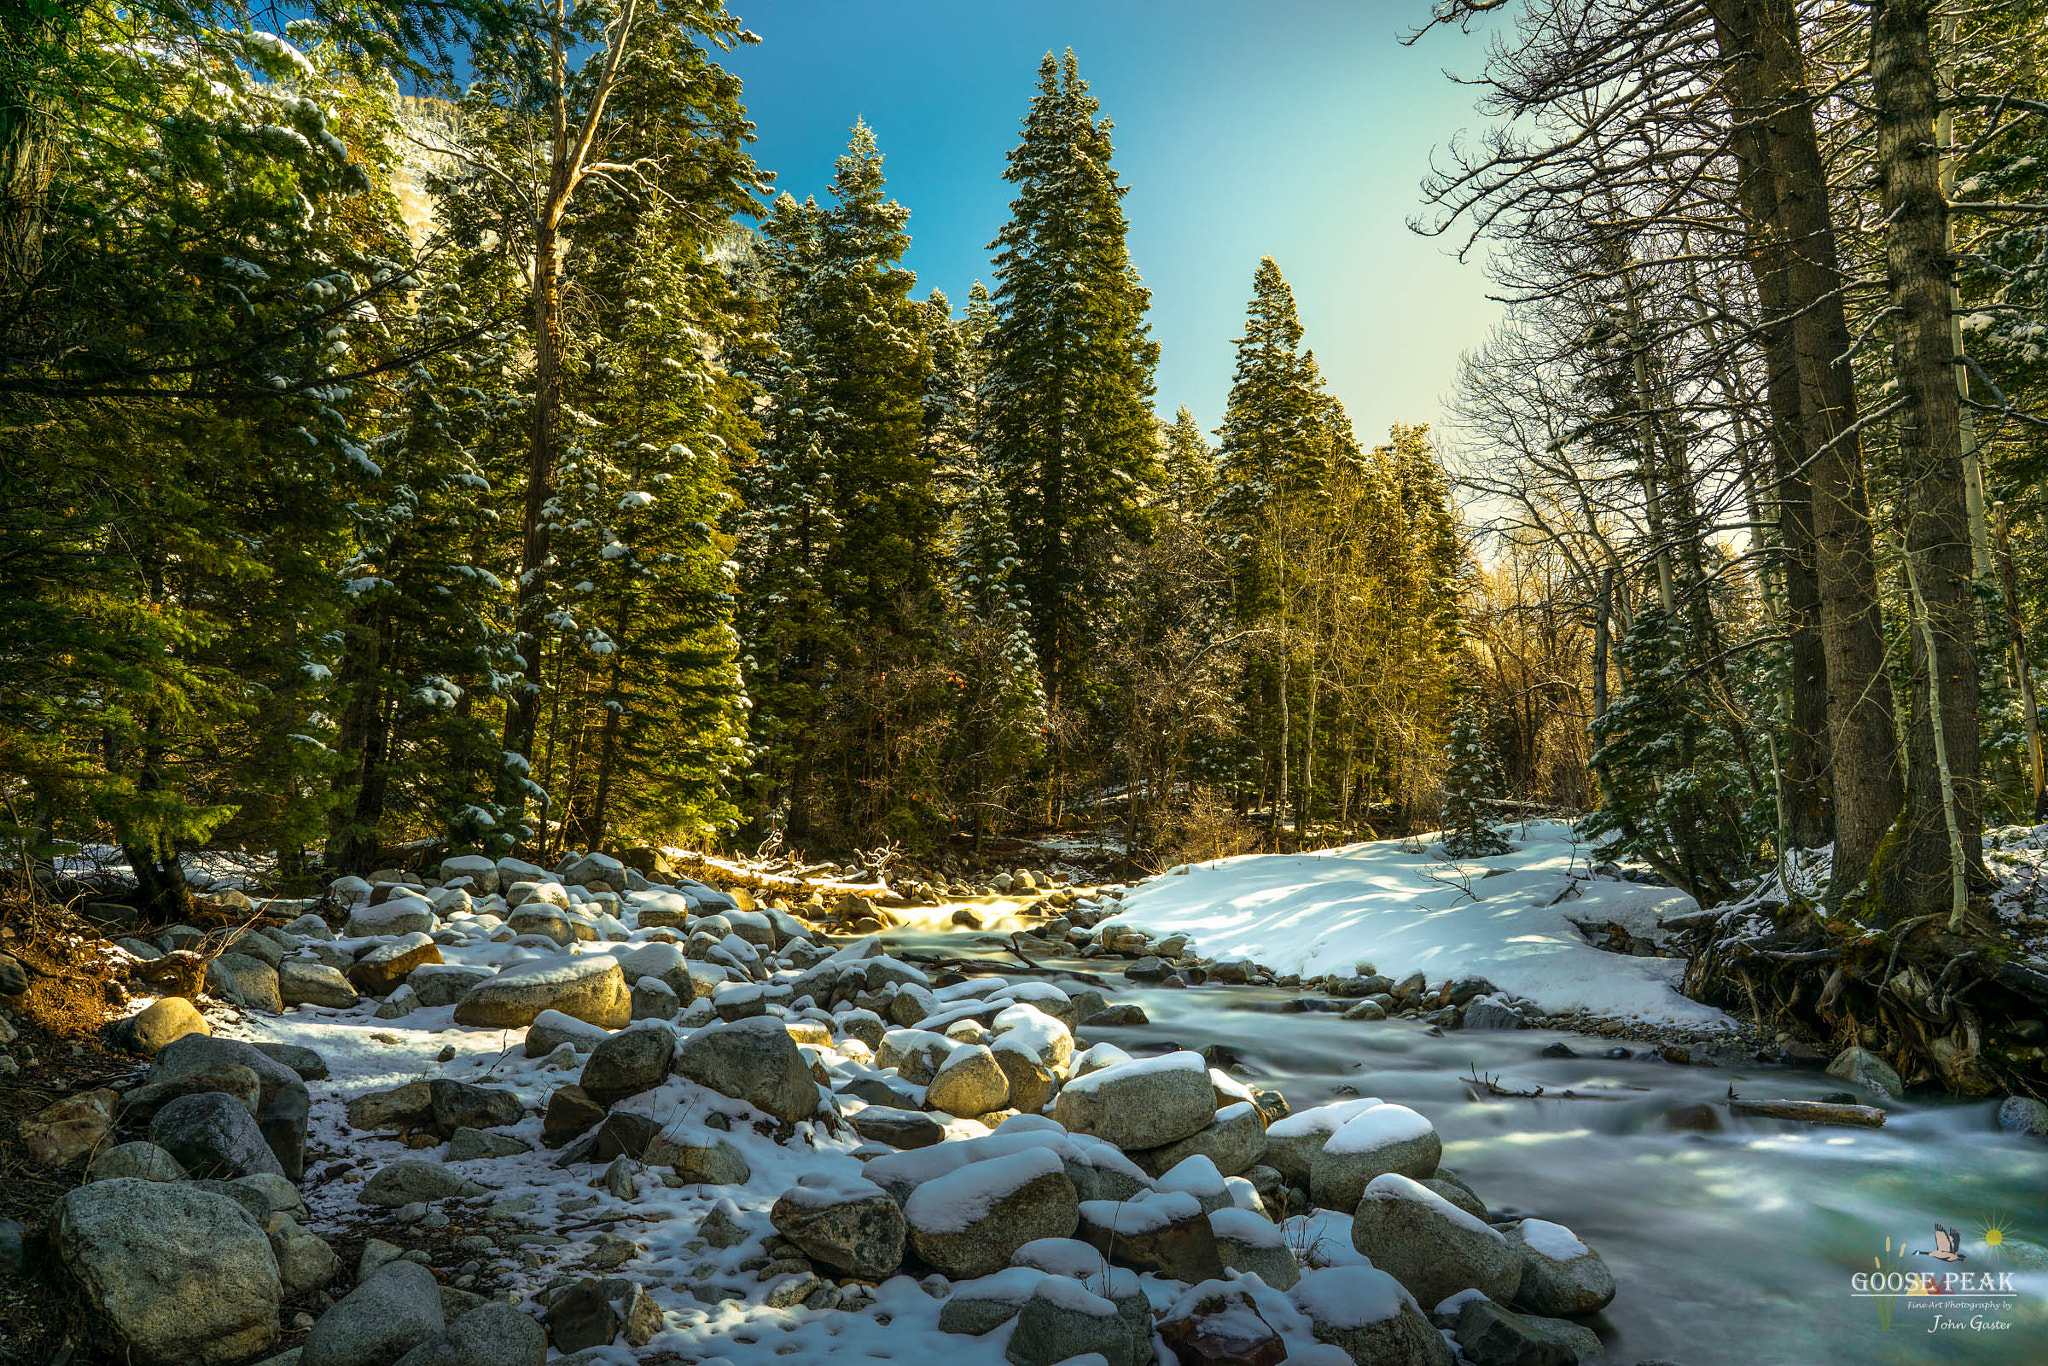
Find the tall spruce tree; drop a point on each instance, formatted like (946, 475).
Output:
(840, 539)
(1468, 784)
(1070, 429)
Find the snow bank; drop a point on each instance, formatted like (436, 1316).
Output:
(1508, 919)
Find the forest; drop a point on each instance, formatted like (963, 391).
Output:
(500, 462)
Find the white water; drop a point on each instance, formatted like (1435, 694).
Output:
(1733, 1248)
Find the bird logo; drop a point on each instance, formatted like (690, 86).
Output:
(1946, 1246)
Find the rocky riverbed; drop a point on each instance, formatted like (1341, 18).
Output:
(507, 1113)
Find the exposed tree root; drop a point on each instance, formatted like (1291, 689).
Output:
(1962, 1010)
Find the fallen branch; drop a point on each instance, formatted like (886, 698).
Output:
(1811, 1112)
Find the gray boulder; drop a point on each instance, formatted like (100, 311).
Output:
(245, 980)
(1430, 1246)
(492, 1334)
(380, 1320)
(969, 1082)
(410, 1180)
(194, 1053)
(443, 984)
(1384, 1138)
(1234, 1141)
(1492, 1336)
(751, 1060)
(303, 982)
(2023, 1115)
(1146, 1104)
(1369, 1315)
(1560, 1274)
(1866, 1069)
(1065, 1319)
(591, 989)
(214, 1135)
(850, 1226)
(141, 1161)
(177, 1274)
(305, 1262)
(968, 1222)
(628, 1062)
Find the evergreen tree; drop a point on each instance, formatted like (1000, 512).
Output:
(840, 540)
(1070, 431)
(1670, 791)
(1468, 786)
(1190, 466)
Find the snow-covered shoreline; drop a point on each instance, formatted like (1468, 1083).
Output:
(1400, 906)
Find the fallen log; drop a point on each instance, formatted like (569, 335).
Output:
(1811, 1112)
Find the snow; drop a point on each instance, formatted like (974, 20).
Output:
(1074, 1296)
(958, 1200)
(1323, 1119)
(1507, 918)
(1150, 1212)
(1394, 1186)
(1554, 1241)
(1377, 1127)
(1243, 1226)
(1196, 1176)
(1182, 1061)
(1349, 1296)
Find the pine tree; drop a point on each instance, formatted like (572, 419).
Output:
(840, 539)
(1190, 466)
(1468, 786)
(1070, 431)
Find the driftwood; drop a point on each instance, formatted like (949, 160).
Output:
(1811, 1112)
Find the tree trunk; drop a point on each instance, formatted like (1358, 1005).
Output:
(1760, 44)
(1918, 868)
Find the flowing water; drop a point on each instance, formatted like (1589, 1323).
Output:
(1732, 1248)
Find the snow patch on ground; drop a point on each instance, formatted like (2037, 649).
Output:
(1404, 908)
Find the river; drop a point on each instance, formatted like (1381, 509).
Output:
(1732, 1248)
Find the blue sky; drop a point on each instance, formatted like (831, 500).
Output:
(1292, 128)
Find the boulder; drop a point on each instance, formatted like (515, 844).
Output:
(1376, 1140)
(1251, 1243)
(213, 1135)
(984, 1305)
(1234, 1141)
(182, 1060)
(551, 1029)
(282, 1123)
(139, 1160)
(545, 919)
(627, 1063)
(1217, 1323)
(453, 1105)
(228, 1078)
(305, 1061)
(379, 1321)
(1560, 1274)
(157, 1024)
(383, 969)
(1863, 1068)
(305, 1262)
(969, 1082)
(70, 1130)
(1430, 1245)
(492, 1334)
(245, 980)
(1491, 1012)
(590, 989)
(967, 1222)
(410, 1180)
(1489, 1335)
(467, 1145)
(481, 871)
(570, 1113)
(898, 1128)
(178, 1274)
(848, 1225)
(581, 1316)
(443, 984)
(2023, 1115)
(398, 1109)
(751, 1060)
(1160, 1231)
(1369, 1315)
(302, 982)
(1146, 1104)
(399, 915)
(1063, 1320)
